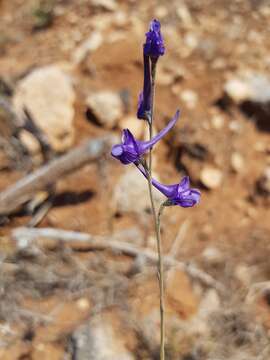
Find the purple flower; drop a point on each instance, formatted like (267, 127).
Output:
(178, 194)
(154, 45)
(131, 150)
(144, 103)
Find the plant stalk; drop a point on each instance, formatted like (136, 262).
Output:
(150, 122)
(156, 216)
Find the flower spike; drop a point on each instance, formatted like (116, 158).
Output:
(154, 45)
(178, 194)
(131, 150)
(144, 103)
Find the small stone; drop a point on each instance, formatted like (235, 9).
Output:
(235, 126)
(209, 304)
(264, 181)
(243, 274)
(211, 177)
(260, 146)
(217, 122)
(238, 90)
(190, 97)
(106, 107)
(102, 338)
(213, 256)
(30, 142)
(83, 304)
(120, 19)
(164, 78)
(184, 15)
(237, 162)
(161, 12)
(134, 125)
(191, 41)
(88, 46)
(109, 5)
(47, 93)
(131, 193)
(253, 87)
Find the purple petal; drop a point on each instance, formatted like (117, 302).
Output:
(129, 140)
(184, 184)
(154, 45)
(145, 145)
(168, 190)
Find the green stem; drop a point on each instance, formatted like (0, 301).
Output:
(156, 217)
(153, 77)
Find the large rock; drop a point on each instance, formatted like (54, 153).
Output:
(102, 338)
(105, 107)
(253, 87)
(48, 95)
(131, 192)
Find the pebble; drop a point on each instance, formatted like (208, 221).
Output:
(109, 5)
(190, 97)
(131, 192)
(211, 177)
(264, 181)
(213, 256)
(88, 46)
(237, 162)
(48, 95)
(107, 108)
(217, 122)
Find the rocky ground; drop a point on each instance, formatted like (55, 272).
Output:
(76, 68)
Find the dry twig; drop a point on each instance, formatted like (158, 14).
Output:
(25, 237)
(22, 191)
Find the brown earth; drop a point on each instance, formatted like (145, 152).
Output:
(46, 296)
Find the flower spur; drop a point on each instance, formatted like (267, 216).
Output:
(131, 150)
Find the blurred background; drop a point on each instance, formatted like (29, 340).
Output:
(70, 73)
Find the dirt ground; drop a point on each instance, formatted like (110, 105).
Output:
(51, 294)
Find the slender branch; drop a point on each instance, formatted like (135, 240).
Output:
(26, 237)
(155, 216)
(23, 190)
(150, 122)
(161, 285)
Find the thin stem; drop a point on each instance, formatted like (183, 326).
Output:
(157, 218)
(153, 77)
(161, 285)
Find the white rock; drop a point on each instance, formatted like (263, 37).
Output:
(191, 40)
(235, 126)
(211, 177)
(184, 15)
(110, 5)
(244, 274)
(251, 86)
(161, 12)
(213, 256)
(134, 125)
(190, 98)
(264, 181)
(49, 96)
(99, 340)
(209, 304)
(217, 122)
(107, 107)
(237, 162)
(88, 46)
(131, 192)
(238, 90)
